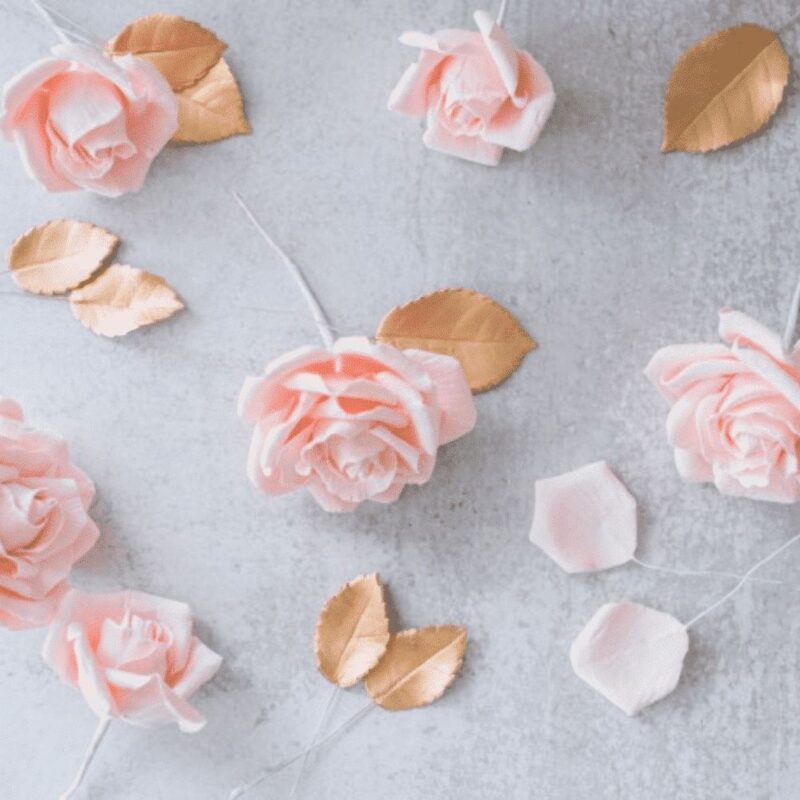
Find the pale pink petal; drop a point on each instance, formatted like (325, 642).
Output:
(502, 51)
(18, 91)
(90, 677)
(10, 409)
(328, 501)
(21, 613)
(447, 41)
(34, 148)
(452, 393)
(585, 520)
(146, 701)
(391, 494)
(775, 375)
(383, 355)
(426, 425)
(153, 115)
(737, 327)
(631, 654)
(471, 148)
(81, 102)
(518, 124)
(410, 96)
(203, 664)
(692, 466)
(673, 369)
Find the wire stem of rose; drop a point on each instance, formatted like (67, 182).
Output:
(502, 12)
(48, 18)
(99, 733)
(314, 306)
(791, 321)
(65, 28)
(706, 573)
(323, 721)
(281, 765)
(743, 580)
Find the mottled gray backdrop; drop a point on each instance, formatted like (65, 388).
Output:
(603, 247)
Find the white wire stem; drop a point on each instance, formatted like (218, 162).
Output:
(48, 18)
(791, 321)
(320, 318)
(241, 790)
(700, 572)
(78, 31)
(501, 14)
(743, 580)
(99, 733)
(323, 721)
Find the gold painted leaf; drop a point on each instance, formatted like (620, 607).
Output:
(352, 631)
(212, 109)
(123, 299)
(418, 666)
(480, 333)
(58, 256)
(181, 50)
(724, 88)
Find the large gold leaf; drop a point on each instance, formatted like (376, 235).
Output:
(352, 631)
(182, 51)
(59, 255)
(123, 299)
(480, 333)
(724, 88)
(418, 666)
(212, 109)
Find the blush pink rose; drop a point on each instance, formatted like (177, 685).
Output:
(477, 92)
(735, 416)
(357, 423)
(44, 525)
(82, 120)
(132, 655)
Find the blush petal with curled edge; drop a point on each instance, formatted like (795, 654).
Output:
(585, 520)
(631, 654)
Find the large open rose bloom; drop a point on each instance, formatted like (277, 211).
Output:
(44, 525)
(82, 120)
(735, 416)
(353, 424)
(132, 655)
(476, 91)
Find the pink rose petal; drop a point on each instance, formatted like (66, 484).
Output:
(631, 654)
(585, 520)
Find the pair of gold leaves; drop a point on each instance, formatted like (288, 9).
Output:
(189, 56)
(479, 332)
(402, 670)
(70, 256)
(724, 88)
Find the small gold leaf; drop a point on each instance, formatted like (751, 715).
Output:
(418, 666)
(58, 256)
(480, 333)
(212, 109)
(724, 88)
(182, 51)
(352, 631)
(123, 299)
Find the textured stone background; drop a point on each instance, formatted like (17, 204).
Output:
(604, 248)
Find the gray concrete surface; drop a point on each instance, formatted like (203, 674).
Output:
(603, 247)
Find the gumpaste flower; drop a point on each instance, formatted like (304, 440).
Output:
(476, 91)
(83, 120)
(44, 524)
(132, 655)
(735, 416)
(355, 423)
